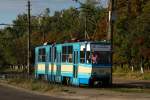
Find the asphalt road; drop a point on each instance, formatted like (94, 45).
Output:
(8, 93)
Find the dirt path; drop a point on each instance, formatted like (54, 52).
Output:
(102, 94)
(122, 89)
(128, 83)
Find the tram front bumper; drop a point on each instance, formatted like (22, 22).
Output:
(100, 80)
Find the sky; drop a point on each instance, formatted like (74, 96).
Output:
(9, 9)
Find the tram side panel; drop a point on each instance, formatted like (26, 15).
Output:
(84, 73)
(36, 61)
(76, 55)
(40, 62)
(58, 63)
(52, 65)
(85, 66)
(67, 63)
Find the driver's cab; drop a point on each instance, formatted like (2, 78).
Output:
(101, 63)
(98, 56)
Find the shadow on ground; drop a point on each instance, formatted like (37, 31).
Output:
(132, 84)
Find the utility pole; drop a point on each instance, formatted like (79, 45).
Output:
(111, 27)
(111, 20)
(29, 32)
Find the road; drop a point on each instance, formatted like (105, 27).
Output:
(8, 93)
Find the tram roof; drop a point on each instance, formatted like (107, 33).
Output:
(84, 42)
(79, 42)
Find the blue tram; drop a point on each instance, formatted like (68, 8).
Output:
(77, 63)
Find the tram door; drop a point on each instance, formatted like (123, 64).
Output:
(75, 63)
(58, 65)
(47, 59)
(53, 56)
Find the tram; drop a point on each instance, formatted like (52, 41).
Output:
(76, 63)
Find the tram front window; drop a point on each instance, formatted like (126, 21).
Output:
(101, 57)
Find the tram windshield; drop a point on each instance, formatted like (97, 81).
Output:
(101, 57)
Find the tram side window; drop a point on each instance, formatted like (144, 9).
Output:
(84, 54)
(82, 57)
(70, 50)
(42, 55)
(64, 54)
(67, 54)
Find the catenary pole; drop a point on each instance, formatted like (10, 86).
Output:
(29, 32)
(111, 27)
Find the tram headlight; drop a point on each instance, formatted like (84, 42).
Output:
(94, 74)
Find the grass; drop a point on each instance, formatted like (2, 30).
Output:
(34, 85)
(8, 70)
(146, 76)
(132, 75)
(38, 85)
(125, 72)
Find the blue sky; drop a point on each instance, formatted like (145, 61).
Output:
(9, 9)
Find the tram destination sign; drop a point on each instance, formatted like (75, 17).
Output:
(96, 47)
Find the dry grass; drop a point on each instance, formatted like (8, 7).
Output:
(128, 74)
(34, 85)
